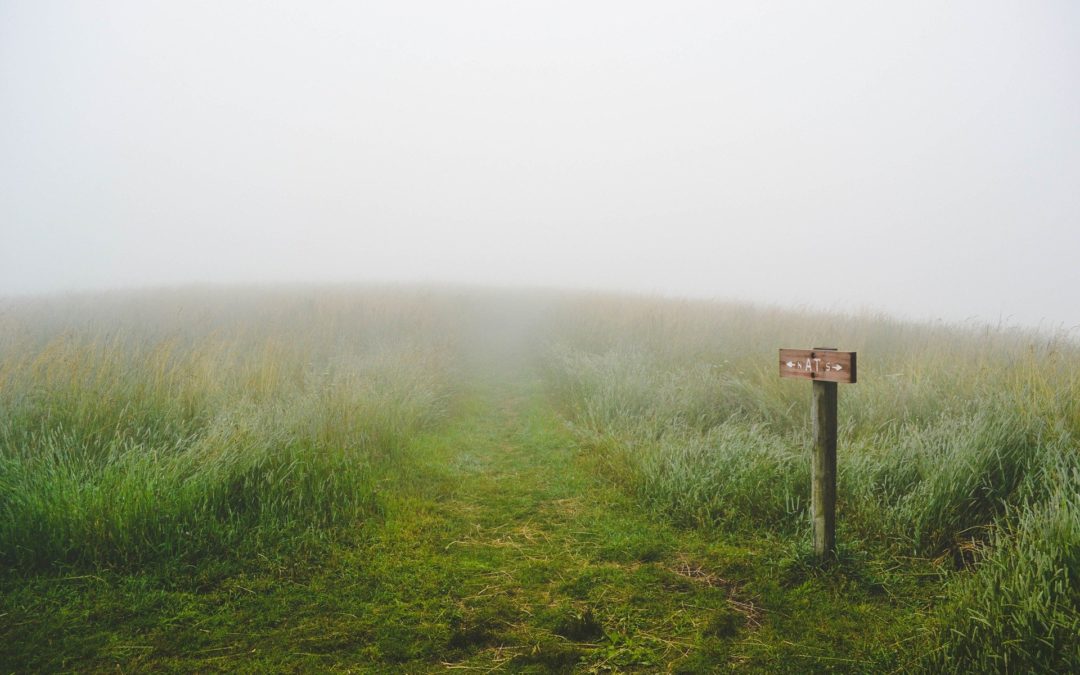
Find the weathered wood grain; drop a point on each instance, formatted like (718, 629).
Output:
(818, 364)
(823, 470)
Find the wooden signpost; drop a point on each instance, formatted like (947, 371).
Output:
(825, 367)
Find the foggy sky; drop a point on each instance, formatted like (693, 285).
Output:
(922, 159)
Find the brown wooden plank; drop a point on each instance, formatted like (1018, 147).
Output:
(818, 364)
(823, 470)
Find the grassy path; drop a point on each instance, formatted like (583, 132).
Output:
(499, 550)
(505, 552)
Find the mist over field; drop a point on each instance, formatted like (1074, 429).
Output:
(919, 160)
(418, 336)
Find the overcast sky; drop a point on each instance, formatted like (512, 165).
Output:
(922, 159)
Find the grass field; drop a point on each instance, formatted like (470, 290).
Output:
(420, 480)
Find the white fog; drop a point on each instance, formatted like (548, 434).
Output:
(917, 159)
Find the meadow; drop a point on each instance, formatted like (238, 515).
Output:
(422, 479)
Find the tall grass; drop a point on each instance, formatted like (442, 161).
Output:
(124, 442)
(1020, 611)
(956, 442)
(182, 425)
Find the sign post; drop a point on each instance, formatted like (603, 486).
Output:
(825, 367)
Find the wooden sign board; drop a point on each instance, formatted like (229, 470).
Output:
(817, 364)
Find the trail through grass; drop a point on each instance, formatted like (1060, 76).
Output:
(500, 547)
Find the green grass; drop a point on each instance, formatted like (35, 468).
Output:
(416, 480)
(956, 448)
(115, 455)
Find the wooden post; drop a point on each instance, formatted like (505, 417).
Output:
(825, 367)
(823, 468)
